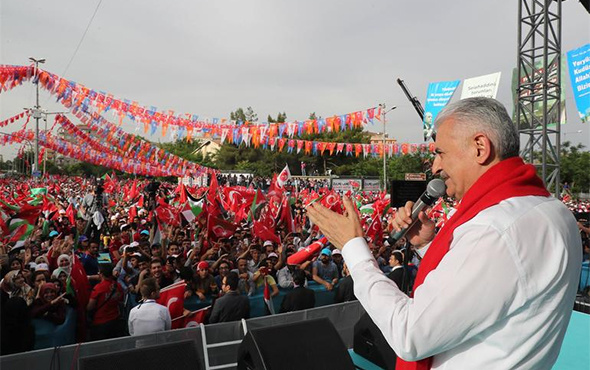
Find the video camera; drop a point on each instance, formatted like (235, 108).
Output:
(152, 188)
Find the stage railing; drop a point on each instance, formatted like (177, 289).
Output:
(343, 316)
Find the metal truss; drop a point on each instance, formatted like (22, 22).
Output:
(539, 108)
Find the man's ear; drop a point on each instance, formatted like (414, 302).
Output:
(484, 150)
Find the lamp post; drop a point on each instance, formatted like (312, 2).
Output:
(383, 113)
(36, 115)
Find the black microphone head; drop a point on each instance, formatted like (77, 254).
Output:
(436, 188)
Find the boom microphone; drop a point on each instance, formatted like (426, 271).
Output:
(436, 188)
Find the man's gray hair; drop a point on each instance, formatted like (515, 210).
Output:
(488, 116)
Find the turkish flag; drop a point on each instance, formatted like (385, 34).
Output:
(375, 230)
(166, 214)
(219, 228)
(264, 233)
(332, 201)
(237, 197)
(173, 297)
(286, 217)
(191, 320)
(308, 252)
(71, 213)
(283, 177)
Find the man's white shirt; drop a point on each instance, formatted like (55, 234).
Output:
(149, 317)
(501, 298)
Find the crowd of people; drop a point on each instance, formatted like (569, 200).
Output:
(259, 182)
(98, 249)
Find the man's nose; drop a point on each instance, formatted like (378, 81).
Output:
(436, 166)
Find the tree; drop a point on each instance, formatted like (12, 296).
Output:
(575, 167)
(244, 116)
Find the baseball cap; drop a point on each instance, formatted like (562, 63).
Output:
(82, 238)
(268, 242)
(53, 233)
(42, 267)
(203, 265)
(336, 251)
(327, 252)
(145, 232)
(271, 255)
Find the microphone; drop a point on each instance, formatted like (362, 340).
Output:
(436, 188)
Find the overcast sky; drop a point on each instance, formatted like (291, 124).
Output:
(330, 56)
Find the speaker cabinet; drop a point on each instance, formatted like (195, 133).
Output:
(310, 344)
(177, 356)
(371, 344)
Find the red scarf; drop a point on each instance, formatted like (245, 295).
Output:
(507, 179)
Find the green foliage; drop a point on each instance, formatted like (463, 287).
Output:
(185, 149)
(244, 116)
(575, 167)
(265, 162)
(410, 163)
(86, 169)
(281, 117)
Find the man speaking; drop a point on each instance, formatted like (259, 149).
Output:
(496, 285)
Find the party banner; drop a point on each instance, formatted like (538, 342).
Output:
(537, 89)
(579, 67)
(483, 86)
(437, 97)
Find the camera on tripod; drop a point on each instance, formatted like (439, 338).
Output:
(152, 188)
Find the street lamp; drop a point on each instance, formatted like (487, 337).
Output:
(37, 115)
(383, 113)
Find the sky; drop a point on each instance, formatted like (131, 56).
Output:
(329, 57)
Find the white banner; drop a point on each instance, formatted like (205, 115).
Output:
(483, 86)
(371, 185)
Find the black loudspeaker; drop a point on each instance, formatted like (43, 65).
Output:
(177, 356)
(310, 344)
(370, 343)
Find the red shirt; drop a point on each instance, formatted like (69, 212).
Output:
(108, 311)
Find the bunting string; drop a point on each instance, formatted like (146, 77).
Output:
(72, 94)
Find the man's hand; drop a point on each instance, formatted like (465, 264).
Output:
(421, 233)
(339, 229)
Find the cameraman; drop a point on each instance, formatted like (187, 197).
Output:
(94, 201)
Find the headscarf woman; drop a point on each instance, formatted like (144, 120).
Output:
(14, 285)
(49, 305)
(67, 285)
(64, 262)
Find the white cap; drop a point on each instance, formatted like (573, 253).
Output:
(336, 251)
(134, 244)
(42, 267)
(268, 242)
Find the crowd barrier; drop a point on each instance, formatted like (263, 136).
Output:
(574, 353)
(49, 335)
(323, 297)
(343, 316)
